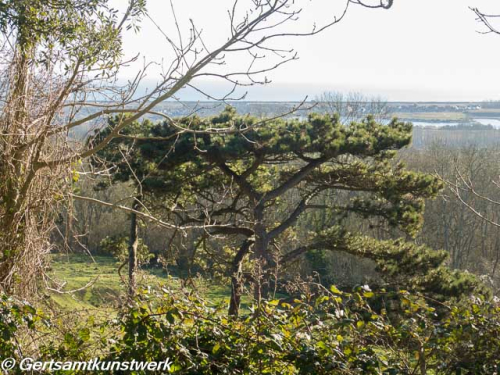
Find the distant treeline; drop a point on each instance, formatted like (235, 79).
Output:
(493, 104)
(456, 136)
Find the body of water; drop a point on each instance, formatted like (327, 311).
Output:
(495, 122)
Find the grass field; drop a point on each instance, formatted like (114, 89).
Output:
(106, 290)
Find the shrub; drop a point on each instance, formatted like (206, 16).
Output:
(117, 246)
(327, 332)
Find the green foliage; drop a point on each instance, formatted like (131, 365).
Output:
(264, 159)
(15, 317)
(330, 331)
(405, 265)
(326, 332)
(319, 134)
(128, 156)
(82, 32)
(117, 246)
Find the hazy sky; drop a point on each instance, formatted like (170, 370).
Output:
(419, 50)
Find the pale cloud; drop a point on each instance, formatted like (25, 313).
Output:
(418, 50)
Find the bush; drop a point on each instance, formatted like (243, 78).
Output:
(327, 332)
(15, 317)
(117, 246)
(335, 332)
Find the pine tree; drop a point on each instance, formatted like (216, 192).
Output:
(259, 180)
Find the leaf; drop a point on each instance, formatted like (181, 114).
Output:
(335, 290)
(84, 334)
(175, 367)
(216, 348)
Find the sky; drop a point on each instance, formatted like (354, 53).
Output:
(419, 50)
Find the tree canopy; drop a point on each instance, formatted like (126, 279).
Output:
(253, 185)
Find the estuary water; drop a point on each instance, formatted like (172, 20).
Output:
(495, 122)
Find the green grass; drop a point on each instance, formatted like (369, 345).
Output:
(105, 288)
(76, 271)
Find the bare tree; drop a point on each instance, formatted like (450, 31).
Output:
(353, 106)
(466, 182)
(489, 21)
(470, 178)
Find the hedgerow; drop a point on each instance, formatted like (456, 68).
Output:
(325, 332)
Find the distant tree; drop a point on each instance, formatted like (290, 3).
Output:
(118, 247)
(353, 106)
